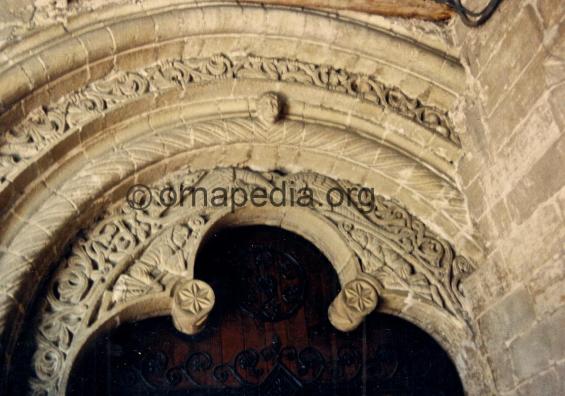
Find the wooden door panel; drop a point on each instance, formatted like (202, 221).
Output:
(268, 335)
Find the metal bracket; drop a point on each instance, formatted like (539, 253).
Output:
(472, 18)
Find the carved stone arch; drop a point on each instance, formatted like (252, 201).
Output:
(138, 93)
(128, 264)
(111, 183)
(302, 221)
(129, 36)
(112, 186)
(453, 336)
(429, 194)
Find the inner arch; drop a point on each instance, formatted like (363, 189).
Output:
(268, 334)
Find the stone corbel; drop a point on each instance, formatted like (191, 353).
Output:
(191, 304)
(354, 302)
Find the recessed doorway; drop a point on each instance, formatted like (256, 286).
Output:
(268, 334)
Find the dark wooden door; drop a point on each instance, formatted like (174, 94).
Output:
(268, 335)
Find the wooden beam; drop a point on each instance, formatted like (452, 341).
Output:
(423, 9)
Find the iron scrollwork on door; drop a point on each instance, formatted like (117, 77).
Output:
(274, 370)
(268, 334)
(271, 283)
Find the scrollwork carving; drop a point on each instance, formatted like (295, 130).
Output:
(397, 271)
(133, 253)
(164, 262)
(45, 125)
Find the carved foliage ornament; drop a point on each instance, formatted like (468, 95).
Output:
(46, 124)
(132, 254)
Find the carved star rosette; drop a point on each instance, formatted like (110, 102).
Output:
(355, 301)
(192, 303)
(360, 297)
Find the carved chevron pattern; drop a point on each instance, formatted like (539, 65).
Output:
(23, 258)
(47, 124)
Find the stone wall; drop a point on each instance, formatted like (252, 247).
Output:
(19, 18)
(513, 175)
(106, 79)
(510, 123)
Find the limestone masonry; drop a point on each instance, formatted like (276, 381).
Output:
(458, 132)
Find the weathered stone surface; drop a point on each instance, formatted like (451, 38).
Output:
(482, 44)
(516, 78)
(554, 327)
(501, 218)
(543, 180)
(561, 200)
(476, 193)
(517, 103)
(524, 251)
(497, 280)
(523, 147)
(556, 99)
(560, 369)
(327, 68)
(14, 17)
(404, 8)
(551, 11)
(547, 285)
(531, 352)
(520, 43)
(512, 315)
(501, 364)
(546, 383)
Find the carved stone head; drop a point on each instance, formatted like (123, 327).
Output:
(269, 107)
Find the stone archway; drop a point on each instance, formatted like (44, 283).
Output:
(268, 333)
(92, 111)
(131, 263)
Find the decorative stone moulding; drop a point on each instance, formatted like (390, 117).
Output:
(45, 126)
(141, 92)
(165, 262)
(354, 302)
(192, 302)
(140, 263)
(129, 35)
(207, 140)
(286, 144)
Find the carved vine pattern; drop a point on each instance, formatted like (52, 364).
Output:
(131, 253)
(46, 124)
